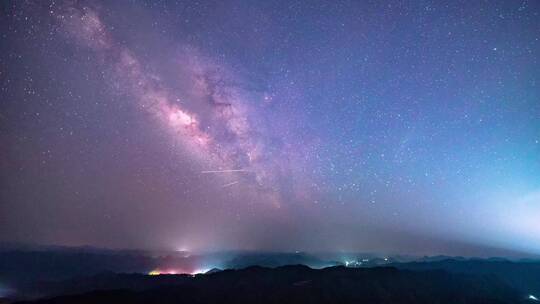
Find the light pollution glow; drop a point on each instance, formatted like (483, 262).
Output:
(156, 272)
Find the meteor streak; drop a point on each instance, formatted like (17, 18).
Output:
(224, 171)
(229, 184)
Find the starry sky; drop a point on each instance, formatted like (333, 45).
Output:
(407, 127)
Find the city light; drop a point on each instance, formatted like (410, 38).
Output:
(156, 272)
(353, 263)
(200, 271)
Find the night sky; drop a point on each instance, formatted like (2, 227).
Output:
(407, 127)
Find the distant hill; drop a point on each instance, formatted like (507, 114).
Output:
(244, 260)
(299, 284)
(33, 273)
(523, 276)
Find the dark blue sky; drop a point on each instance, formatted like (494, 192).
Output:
(409, 127)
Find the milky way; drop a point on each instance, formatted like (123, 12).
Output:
(278, 125)
(221, 131)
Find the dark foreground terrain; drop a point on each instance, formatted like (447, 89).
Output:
(297, 284)
(86, 275)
